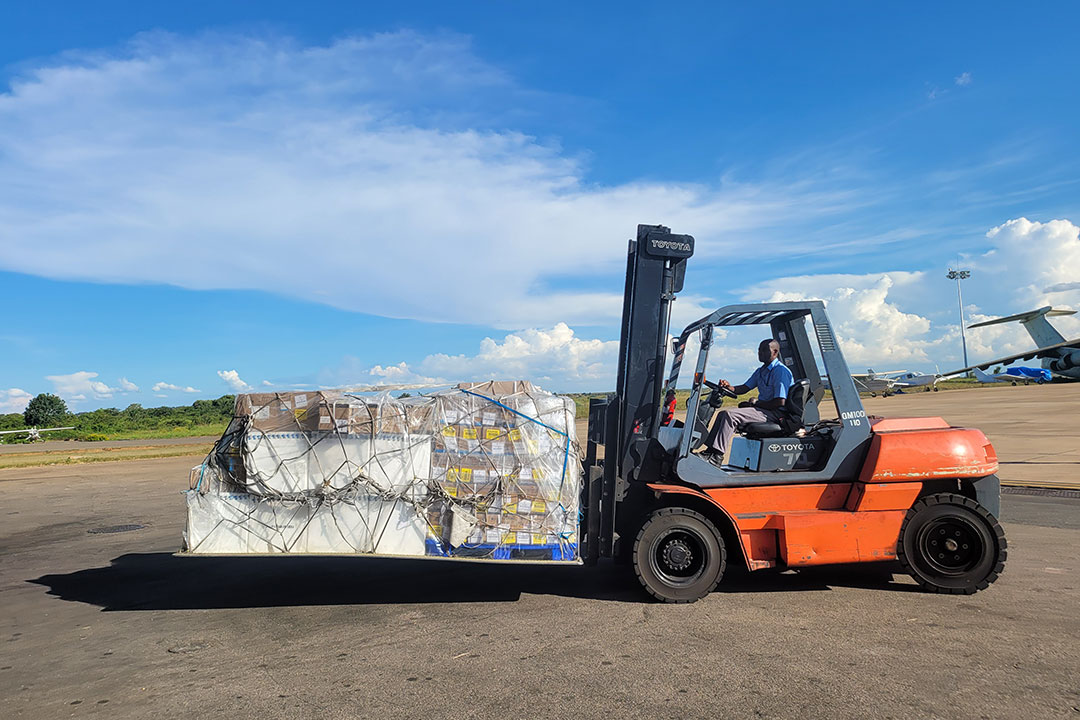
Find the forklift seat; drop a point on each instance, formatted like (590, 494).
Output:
(791, 419)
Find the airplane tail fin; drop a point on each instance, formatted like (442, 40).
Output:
(983, 377)
(1036, 324)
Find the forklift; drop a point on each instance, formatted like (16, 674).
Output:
(795, 493)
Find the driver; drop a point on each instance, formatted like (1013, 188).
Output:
(772, 380)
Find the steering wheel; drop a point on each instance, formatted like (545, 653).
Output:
(717, 388)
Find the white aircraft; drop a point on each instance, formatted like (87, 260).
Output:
(910, 379)
(34, 433)
(892, 381)
(1058, 355)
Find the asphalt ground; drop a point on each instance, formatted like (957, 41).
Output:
(112, 625)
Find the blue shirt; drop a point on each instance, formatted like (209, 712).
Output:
(772, 381)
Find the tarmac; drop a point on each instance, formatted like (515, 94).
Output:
(113, 625)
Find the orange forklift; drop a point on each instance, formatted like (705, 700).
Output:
(799, 492)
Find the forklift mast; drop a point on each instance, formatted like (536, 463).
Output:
(624, 422)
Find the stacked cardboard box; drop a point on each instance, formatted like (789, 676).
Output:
(504, 463)
(480, 470)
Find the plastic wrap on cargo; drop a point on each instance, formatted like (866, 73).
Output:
(485, 470)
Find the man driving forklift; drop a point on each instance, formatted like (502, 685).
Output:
(773, 380)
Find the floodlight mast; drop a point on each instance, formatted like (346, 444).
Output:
(959, 275)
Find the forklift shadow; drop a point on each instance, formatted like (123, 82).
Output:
(162, 581)
(869, 576)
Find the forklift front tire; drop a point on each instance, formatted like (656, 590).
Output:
(679, 556)
(951, 544)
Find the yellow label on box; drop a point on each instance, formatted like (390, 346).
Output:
(492, 433)
(451, 490)
(537, 473)
(300, 413)
(515, 434)
(538, 539)
(468, 433)
(538, 506)
(448, 431)
(459, 474)
(510, 538)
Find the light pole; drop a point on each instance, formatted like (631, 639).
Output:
(959, 275)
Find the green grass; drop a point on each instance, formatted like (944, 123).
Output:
(211, 429)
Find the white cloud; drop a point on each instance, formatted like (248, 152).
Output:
(127, 386)
(883, 320)
(80, 385)
(963, 79)
(545, 356)
(555, 357)
(423, 214)
(232, 378)
(162, 386)
(1062, 287)
(1026, 265)
(1032, 260)
(399, 374)
(14, 400)
(871, 328)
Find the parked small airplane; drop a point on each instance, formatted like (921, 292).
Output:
(892, 381)
(34, 434)
(1015, 375)
(910, 379)
(1058, 355)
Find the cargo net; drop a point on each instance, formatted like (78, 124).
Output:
(487, 470)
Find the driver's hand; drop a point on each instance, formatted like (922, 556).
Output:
(725, 384)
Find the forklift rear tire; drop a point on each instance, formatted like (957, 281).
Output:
(951, 544)
(679, 556)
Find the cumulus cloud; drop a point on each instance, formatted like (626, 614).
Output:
(385, 158)
(539, 354)
(1033, 259)
(556, 357)
(885, 318)
(232, 379)
(163, 386)
(14, 400)
(1062, 287)
(871, 327)
(127, 386)
(81, 385)
(400, 374)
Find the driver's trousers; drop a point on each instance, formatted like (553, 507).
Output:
(729, 421)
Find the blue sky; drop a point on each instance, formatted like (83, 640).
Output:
(204, 197)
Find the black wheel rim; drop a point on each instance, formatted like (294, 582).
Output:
(951, 546)
(679, 556)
